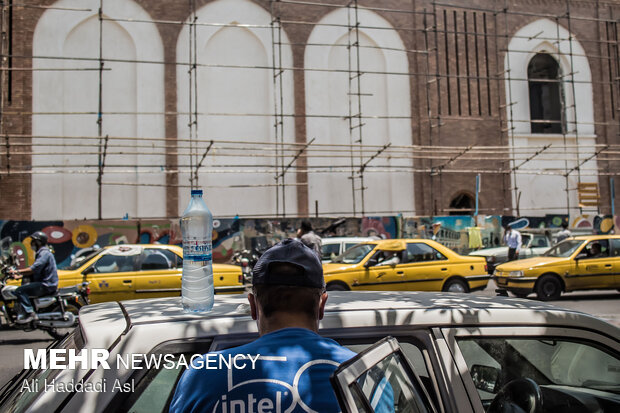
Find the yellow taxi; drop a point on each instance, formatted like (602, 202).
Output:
(129, 271)
(578, 263)
(405, 265)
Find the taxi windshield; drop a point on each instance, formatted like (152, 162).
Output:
(355, 254)
(564, 248)
(79, 261)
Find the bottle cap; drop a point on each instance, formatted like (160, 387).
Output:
(197, 192)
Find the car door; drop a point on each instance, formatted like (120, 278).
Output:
(385, 271)
(159, 273)
(380, 379)
(593, 271)
(615, 254)
(112, 275)
(564, 362)
(425, 267)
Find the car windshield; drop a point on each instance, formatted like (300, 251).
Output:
(15, 399)
(77, 263)
(355, 254)
(564, 248)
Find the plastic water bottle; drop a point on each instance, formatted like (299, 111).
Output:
(197, 281)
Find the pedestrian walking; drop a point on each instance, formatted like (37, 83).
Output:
(512, 238)
(565, 233)
(306, 235)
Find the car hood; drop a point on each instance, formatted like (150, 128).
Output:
(531, 263)
(334, 267)
(67, 272)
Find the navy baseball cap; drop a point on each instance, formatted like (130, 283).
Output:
(293, 252)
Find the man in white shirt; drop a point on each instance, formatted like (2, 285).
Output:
(565, 233)
(512, 238)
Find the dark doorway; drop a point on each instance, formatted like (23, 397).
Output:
(462, 204)
(543, 74)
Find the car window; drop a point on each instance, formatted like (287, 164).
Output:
(564, 249)
(494, 362)
(615, 247)
(350, 245)
(380, 383)
(387, 258)
(596, 249)
(19, 400)
(115, 263)
(420, 252)
(412, 351)
(525, 239)
(155, 386)
(80, 260)
(155, 390)
(158, 259)
(540, 241)
(328, 249)
(355, 254)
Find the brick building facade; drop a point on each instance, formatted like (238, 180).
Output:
(462, 120)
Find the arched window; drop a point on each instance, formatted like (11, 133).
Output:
(462, 204)
(545, 94)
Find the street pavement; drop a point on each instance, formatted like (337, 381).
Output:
(603, 304)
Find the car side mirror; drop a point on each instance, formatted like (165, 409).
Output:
(371, 262)
(88, 270)
(485, 377)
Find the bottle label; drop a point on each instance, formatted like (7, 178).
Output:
(197, 250)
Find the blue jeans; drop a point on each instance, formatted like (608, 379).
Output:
(35, 289)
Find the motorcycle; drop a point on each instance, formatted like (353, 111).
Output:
(247, 258)
(53, 312)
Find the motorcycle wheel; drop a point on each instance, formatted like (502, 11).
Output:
(58, 333)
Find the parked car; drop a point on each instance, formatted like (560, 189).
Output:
(129, 271)
(405, 264)
(533, 245)
(573, 264)
(334, 246)
(457, 355)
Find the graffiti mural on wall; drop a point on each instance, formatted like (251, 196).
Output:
(548, 221)
(600, 224)
(70, 238)
(461, 233)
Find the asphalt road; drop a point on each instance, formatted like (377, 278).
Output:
(603, 304)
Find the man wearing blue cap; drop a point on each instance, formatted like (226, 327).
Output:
(292, 372)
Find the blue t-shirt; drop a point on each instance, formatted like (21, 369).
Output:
(44, 268)
(292, 371)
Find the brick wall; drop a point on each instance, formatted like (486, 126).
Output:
(470, 111)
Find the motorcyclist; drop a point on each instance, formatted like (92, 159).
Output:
(44, 278)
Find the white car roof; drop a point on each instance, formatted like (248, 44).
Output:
(102, 324)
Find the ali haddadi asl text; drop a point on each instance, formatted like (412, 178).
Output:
(72, 386)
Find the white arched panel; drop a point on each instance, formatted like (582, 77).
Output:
(235, 96)
(132, 105)
(385, 106)
(540, 181)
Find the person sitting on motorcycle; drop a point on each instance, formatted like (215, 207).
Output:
(44, 278)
